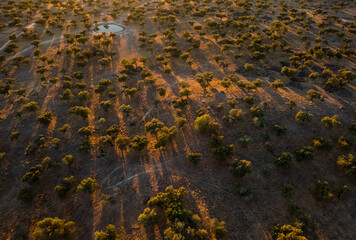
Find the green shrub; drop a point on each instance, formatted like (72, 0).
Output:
(218, 228)
(331, 122)
(194, 157)
(288, 190)
(303, 117)
(288, 232)
(245, 141)
(45, 118)
(80, 111)
(109, 234)
(106, 105)
(68, 160)
(31, 107)
(14, 135)
(26, 194)
(202, 123)
(347, 164)
(289, 72)
(345, 142)
(240, 168)
(321, 143)
(54, 228)
(66, 184)
(33, 175)
(285, 160)
(148, 217)
(320, 190)
(138, 143)
(83, 95)
(277, 84)
(154, 126)
(88, 185)
(303, 154)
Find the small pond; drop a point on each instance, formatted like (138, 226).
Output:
(110, 27)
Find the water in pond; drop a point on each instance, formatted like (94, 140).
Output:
(107, 28)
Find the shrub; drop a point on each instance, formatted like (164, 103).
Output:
(68, 160)
(280, 130)
(335, 83)
(285, 160)
(312, 94)
(83, 95)
(288, 232)
(33, 175)
(154, 126)
(218, 228)
(303, 117)
(245, 141)
(194, 157)
(106, 105)
(181, 121)
(45, 118)
(289, 72)
(122, 142)
(161, 91)
(320, 190)
(202, 123)
(125, 109)
(321, 143)
(26, 194)
(277, 84)
(221, 151)
(304, 154)
(288, 190)
(345, 143)
(122, 78)
(148, 217)
(31, 107)
(347, 164)
(109, 234)
(331, 122)
(85, 131)
(88, 185)
(240, 168)
(65, 186)
(138, 143)
(54, 228)
(14, 135)
(80, 111)
(166, 135)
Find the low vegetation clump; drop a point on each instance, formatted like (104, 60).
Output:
(240, 168)
(88, 185)
(181, 222)
(54, 228)
(194, 157)
(320, 190)
(285, 160)
(347, 164)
